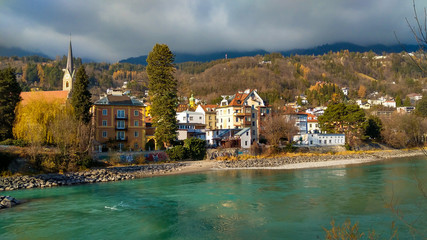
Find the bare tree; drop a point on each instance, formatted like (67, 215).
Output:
(277, 127)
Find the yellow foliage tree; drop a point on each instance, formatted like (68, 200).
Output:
(40, 73)
(33, 121)
(362, 91)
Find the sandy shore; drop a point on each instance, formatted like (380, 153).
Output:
(305, 162)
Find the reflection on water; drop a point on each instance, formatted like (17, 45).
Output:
(231, 204)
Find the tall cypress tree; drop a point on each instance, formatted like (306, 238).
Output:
(163, 93)
(9, 97)
(80, 98)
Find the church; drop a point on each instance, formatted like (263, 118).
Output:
(51, 96)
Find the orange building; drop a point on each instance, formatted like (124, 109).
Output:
(119, 122)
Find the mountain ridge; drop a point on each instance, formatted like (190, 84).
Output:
(318, 50)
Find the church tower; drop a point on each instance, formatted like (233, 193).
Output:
(67, 80)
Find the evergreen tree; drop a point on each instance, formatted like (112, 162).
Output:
(398, 101)
(9, 97)
(407, 102)
(163, 93)
(80, 98)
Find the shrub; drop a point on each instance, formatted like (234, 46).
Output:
(177, 153)
(196, 148)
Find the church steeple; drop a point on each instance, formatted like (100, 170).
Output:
(70, 66)
(67, 80)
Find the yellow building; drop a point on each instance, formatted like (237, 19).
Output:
(119, 123)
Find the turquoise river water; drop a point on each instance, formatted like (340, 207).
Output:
(228, 204)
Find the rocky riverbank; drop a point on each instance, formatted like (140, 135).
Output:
(309, 161)
(91, 176)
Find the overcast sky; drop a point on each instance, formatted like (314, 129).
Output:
(111, 30)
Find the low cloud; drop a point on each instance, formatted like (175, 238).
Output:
(113, 30)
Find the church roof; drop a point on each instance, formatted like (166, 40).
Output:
(70, 65)
(48, 96)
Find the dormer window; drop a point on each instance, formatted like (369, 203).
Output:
(239, 102)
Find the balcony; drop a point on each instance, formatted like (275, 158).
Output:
(125, 117)
(121, 139)
(240, 114)
(125, 128)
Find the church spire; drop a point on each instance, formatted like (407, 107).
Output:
(70, 65)
(67, 79)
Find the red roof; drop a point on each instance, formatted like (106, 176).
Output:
(48, 96)
(311, 118)
(209, 108)
(238, 99)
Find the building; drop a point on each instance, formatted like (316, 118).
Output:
(244, 136)
(209, 112)
(242, 110)
(312, 123)
(190, 124)
(55, 96)
(119, 122)
(300, 119)
(317, 139)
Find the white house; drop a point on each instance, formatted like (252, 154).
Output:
(245, 137)
(190, 117)
(391, 104)
(317, 139)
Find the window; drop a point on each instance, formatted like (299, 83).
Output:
(120, 113)
(253, 115)
(121, 124)
(135, 146)
(237, 119)
(247, 133)
(136, 123)
(228, 111)
(210, 117)
(191, 118)
(136, 134)
(200, 118)
(253, 132)
(228, 119)
(104, 134)
(136, 113)
(121, 135)
(104, 112)
(253, 124)
(246, 143)
(104, 122)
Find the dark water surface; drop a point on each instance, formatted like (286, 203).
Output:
(227, 204)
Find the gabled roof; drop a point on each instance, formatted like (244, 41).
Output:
(239, 99)
(48, 96)
(243, 131)
(311, 118)
(209, 108)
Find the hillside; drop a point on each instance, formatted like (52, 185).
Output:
(278, 79)
(319, 50)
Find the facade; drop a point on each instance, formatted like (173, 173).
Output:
(119, 122)
(320, 140)
(209, 112)
(245, 137)
(242, 110)
(312, 124)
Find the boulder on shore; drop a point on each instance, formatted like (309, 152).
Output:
(8, 202)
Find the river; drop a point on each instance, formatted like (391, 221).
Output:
(227, 204)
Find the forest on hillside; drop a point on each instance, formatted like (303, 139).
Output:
(278, 79)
